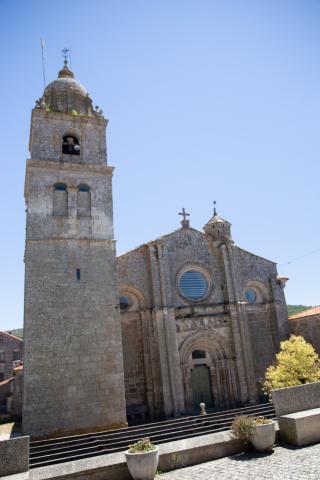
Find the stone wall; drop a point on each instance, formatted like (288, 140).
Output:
(261, 340)
(134, 368)
(49, 128)
(14, 457)
(296, 399)
(261, 274)
(73, 363)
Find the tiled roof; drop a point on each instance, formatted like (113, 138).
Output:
(10, 335)
(306, 313)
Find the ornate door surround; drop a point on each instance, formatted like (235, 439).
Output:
(220, 363)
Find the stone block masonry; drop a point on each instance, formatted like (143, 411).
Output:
(14, 456)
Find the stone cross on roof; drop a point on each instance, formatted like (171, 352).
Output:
(65, 53)
(185, 222)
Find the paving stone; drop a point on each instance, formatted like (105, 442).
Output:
(284, 463)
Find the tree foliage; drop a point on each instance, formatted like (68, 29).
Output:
(296, 363)
(292, 309)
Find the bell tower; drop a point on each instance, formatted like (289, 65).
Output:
(217, 228)
(73, 371)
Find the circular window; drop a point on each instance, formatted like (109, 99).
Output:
(193, 285)
(251, 295)
(125, 302)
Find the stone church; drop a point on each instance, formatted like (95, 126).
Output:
(187, 318)
(201, 321)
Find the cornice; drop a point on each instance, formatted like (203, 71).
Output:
(90, 241)
(59, 165)
(38, 112)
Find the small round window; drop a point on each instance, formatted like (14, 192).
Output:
(125, 303)
(193, 285)
(251, 295)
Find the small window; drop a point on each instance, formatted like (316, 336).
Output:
(84, 201)
(125, 302)
(60, 200)
(1, 338)
(60, 187)
(2, 358)
(78, 274)
(251, 295)
(70, 145)
(198, 354)
(193, 285)
(16, 355)
(1, 377)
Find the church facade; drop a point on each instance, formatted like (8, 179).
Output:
(187, 318)
(201, 321)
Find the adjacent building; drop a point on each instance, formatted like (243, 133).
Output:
(11, 353)
(307, 324)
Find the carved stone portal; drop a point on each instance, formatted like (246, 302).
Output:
(220, 363)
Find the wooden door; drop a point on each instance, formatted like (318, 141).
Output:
(201, 386)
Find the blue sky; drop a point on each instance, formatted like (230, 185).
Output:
(207, 100)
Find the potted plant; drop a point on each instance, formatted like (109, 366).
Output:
(142, 459)
(259, 431)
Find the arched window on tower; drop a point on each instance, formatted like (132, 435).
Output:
(70, 145)
(60, 200)
(84, 201)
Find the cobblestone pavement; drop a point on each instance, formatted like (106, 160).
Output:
(282, 464)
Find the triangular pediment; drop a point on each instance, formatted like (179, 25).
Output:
(169, 237)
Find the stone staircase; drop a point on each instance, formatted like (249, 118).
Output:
(66, 449)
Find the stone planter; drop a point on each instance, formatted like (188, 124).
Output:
(143, 466)
(263, 437)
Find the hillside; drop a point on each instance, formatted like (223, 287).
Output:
(18, 332)
(296, 308)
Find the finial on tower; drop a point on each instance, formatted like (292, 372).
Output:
(214, 208)
(185, 222)
(65, 54)
(65, 72)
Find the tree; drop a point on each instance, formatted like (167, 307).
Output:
(296, 363)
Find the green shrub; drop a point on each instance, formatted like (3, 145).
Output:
(296, 363)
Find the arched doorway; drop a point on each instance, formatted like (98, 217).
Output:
(208, 371)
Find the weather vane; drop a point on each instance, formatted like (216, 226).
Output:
(214, 207)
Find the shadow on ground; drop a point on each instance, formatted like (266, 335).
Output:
(251, 455)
